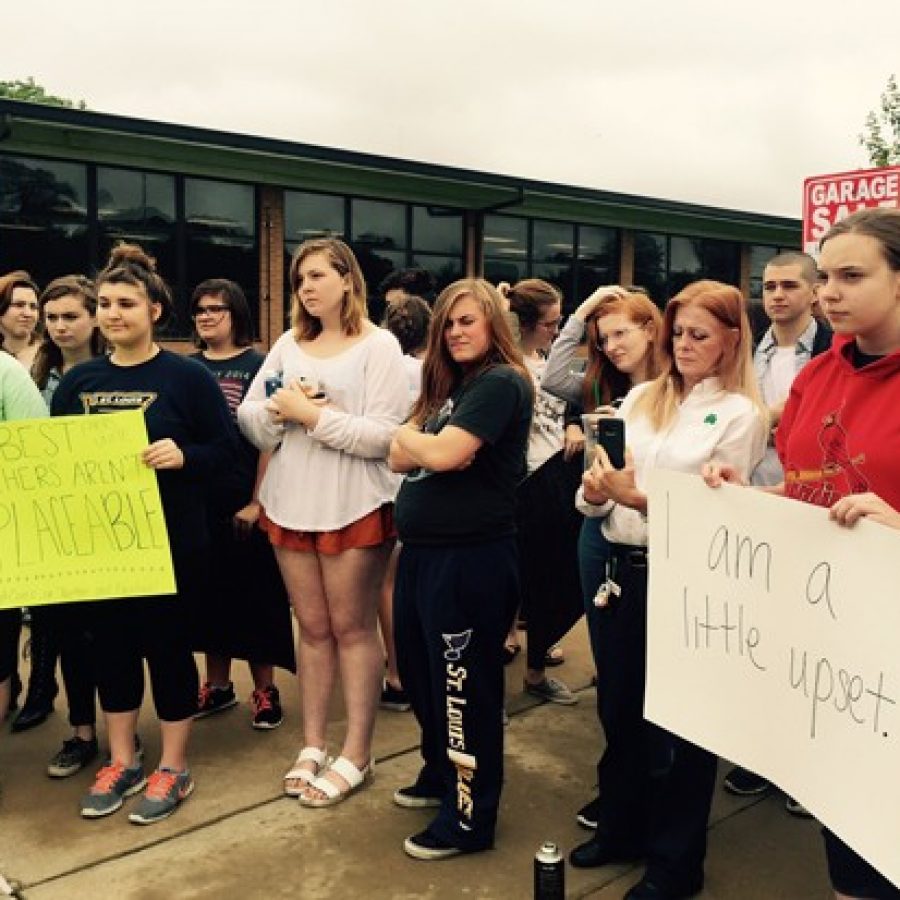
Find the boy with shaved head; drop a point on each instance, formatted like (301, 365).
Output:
(793, 338)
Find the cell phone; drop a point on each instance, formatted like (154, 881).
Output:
(313, 387)
(611, 437)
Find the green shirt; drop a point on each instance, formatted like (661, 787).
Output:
(19, 396)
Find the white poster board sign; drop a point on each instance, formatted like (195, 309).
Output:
(774, 641)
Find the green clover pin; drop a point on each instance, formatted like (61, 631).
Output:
(711, 419)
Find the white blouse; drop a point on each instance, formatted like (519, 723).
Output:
(710, 424)
(331, 476)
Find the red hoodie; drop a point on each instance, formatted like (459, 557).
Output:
(840, 431)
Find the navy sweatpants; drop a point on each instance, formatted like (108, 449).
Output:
(452, 608)
(656, 788)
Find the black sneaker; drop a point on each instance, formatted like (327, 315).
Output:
(267, 711)
(426, 845)
(744, 783)
(31, 715)
(213, 699)
(76, 753)
(394, 698)
(415, 796)
(588, 815)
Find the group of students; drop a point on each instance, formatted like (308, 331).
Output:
(700, 402)
(479, 428)
(98, 355)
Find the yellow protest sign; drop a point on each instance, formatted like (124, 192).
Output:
(80, 514)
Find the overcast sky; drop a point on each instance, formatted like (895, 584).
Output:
(728, 104)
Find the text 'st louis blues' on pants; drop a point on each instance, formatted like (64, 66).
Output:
(452, 608)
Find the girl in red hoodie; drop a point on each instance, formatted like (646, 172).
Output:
(839, 434)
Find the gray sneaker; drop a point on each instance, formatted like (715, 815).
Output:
(111, 786)
(165, 791)
(551, 690)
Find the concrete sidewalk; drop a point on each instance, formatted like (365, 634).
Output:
(238, 836)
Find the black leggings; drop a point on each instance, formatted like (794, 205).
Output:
(548, 526)
(68, 633)
(125, 633)
(656, 789)
(10, 627)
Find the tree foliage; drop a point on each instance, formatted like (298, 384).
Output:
(32, 92)
(881, 137)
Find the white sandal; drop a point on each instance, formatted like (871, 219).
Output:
(342, 766)
(307, 776)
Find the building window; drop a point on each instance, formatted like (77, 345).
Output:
(308, 216)
(553, 254)
(574, 258)
(505, 248)
(52, 222)
(379, 238)
(437, 244)
(598, 259)
(651, 264)
(220, 226)
(664, 264)
(384, 236)
(43, 217)
(138, 207)
(437, 231)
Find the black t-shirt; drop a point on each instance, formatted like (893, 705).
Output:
(181, 401)
(474, 504)
(235, 376)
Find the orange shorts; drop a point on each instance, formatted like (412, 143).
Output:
(369, 531)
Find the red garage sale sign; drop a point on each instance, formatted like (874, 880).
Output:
(829, 198)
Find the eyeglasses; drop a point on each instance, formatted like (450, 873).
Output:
(603, 340)
(215, 309)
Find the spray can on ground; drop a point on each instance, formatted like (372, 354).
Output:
(549, 873)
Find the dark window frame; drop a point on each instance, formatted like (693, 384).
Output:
(668, 289)
(572, 292)
(177, 279)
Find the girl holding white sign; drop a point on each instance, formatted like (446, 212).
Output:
(840, 430)
(656, 788)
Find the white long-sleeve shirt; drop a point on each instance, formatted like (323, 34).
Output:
(328, 477)
(710, 425)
